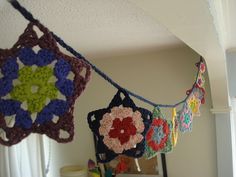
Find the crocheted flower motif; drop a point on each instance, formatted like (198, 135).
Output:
(194, 104)
(185, 118)
(38, 89)
(34, 87)
(158, 137)
(119, 129)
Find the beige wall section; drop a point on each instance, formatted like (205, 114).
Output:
(163, 77)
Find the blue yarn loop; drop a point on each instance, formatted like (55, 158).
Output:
(30, 18)
(10, 69)
(62, 69)
(28, 57)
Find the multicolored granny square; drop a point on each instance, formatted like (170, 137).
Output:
(38, 88)
(159, 135)
(185, 118)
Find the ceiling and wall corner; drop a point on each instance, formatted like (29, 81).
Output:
(95, 28)
(121, 27)
(218, 15)
(192, 22)
(226, 11)
(106, 28)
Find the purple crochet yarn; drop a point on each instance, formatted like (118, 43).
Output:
(27, 56)
(5, 86)
(10, 68)
(58, 107)
(62, 69)
(44, 116)
(44, 57)
(66, 87)
(23, 119)
(9, 107)
(55, 107)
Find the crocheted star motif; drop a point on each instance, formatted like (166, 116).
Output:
(119, 129)
(38, 89)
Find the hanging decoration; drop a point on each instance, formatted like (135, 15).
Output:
(36, 87)
(159, 135)
(185, 118)
(120, 128)
(194, 104)
(175, 127)
(39, 85)
(196, 97)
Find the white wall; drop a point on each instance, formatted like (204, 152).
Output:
(163, 77)
(231, 63)
(224, 139)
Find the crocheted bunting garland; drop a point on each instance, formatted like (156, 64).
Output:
(120, 128)
(185, 118)
(38, 89)
(198, 89)
(197, 93)
(159, 135)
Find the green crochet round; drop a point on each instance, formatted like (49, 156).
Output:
(34, 87)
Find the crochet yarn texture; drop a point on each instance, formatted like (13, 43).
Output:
(196, 97)
(38, 88)
(175, 129)
(159, 135)
(119, 129)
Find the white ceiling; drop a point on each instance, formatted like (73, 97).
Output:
(224, 12)
(196, 22)
(102, 28)
(95, 28)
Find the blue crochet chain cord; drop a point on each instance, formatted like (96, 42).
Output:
(30, 18)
